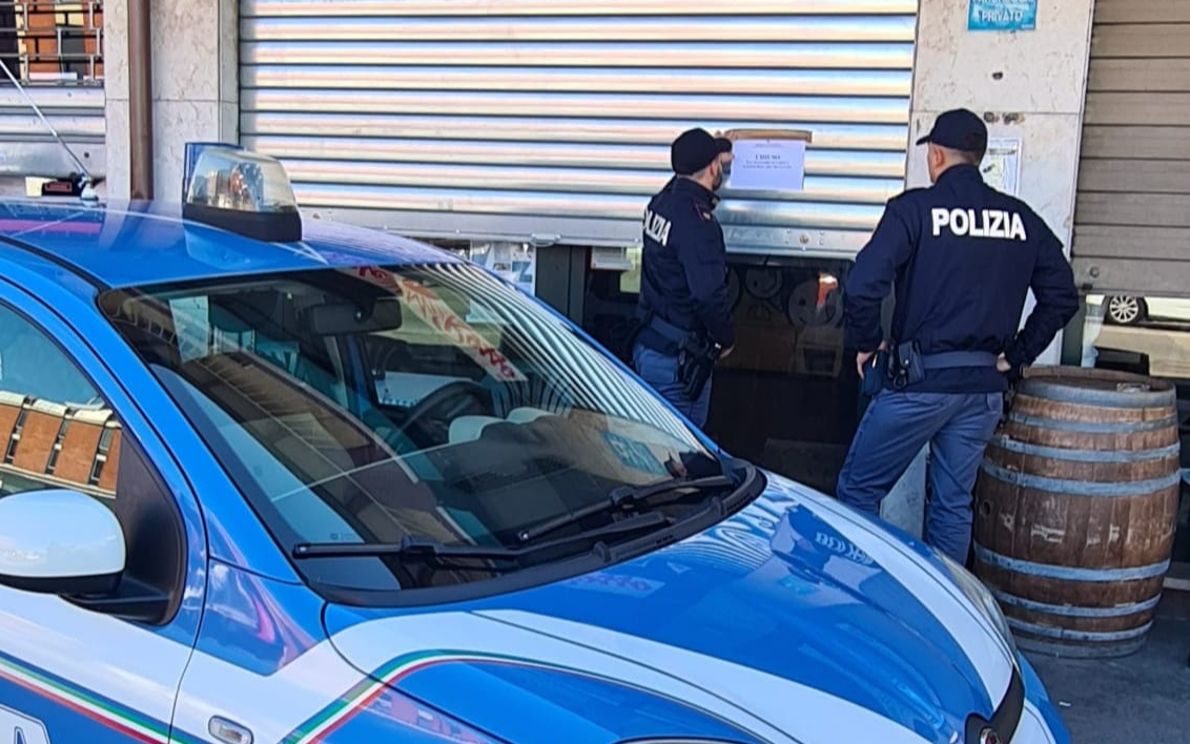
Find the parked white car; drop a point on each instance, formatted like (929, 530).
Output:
(1125, 310)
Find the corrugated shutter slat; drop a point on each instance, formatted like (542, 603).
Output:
(1132, 218)
(444, 118)
(28, 148)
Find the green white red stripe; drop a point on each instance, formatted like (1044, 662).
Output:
(369, 689)
(89, 704)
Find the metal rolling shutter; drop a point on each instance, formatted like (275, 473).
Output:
(26, 146)
(551, 121)
(1132, 223)
(40, 42)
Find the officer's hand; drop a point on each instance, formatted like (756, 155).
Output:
(862, 358)
(1014, 374)
(861, 361)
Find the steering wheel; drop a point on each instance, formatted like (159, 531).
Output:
(452, 398)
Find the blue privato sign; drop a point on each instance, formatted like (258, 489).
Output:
(1002, 15)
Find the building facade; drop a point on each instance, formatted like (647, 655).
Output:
(542, 130)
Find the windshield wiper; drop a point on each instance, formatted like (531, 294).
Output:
(628, 498)
(411, 548)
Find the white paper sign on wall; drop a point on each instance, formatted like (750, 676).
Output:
(768, 165)
(1001, 166)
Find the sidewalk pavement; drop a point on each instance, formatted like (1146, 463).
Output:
(1140, 699)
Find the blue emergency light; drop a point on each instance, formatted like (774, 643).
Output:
(241, 191)
(193, 150)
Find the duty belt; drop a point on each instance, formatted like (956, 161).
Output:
(667, 337)
(906, 365)
(953, 359)
(671, 332)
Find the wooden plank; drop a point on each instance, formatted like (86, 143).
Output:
(1135, 176)
(1145, 210)
(1106, 241)
(1141, 40)
(1134, 75)
(1136, 142)
(1168, 109)
(1132, 277)
(1142, 11)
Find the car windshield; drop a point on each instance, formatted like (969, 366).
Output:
(429, 404)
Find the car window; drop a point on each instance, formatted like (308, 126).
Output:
(31, 364)
(385, 404)
(58, 432)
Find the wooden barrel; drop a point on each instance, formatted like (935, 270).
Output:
(1075, 509)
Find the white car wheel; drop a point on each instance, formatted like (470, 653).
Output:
(1125, 310)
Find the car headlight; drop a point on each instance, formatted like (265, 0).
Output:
(980, 597)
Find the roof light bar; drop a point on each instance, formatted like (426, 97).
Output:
(240, 191)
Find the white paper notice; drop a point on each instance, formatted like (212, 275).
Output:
(768, 165)
(1001, 166)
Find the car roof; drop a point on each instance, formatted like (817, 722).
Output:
(117, 245)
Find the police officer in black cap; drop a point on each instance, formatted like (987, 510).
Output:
(963, 257)
(684, 313)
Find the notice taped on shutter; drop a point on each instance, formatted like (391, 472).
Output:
(767, 160)
(768, 165)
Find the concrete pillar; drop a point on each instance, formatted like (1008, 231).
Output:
(115, 88)
(195, 85)
(1031, 86)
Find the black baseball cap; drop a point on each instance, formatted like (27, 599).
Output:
(694, 150)
(959, 129)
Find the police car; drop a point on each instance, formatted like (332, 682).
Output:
(274, 481)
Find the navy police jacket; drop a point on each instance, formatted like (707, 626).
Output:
(684, 263)
(963, 257)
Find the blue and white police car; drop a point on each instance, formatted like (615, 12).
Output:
(272, 482)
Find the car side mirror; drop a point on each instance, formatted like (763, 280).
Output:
(57, 541)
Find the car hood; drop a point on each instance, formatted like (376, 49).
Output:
(794, 620)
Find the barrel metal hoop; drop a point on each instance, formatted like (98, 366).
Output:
(1078, 487)
(1093, 427)
(1079, 635)
(1080, 650)
(1055, 391)
(1070, 573)
(1082, 455)
(1073, 611)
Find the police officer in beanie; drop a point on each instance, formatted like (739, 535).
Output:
(963, 258)
(684, 313)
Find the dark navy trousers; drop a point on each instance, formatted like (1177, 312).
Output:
(894, 429)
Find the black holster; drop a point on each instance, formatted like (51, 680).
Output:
(876, 375)
(896, 369)
(905, 365)
(696, 360)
